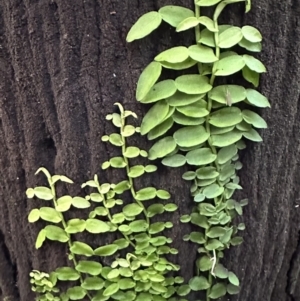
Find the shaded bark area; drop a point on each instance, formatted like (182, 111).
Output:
(63, 64)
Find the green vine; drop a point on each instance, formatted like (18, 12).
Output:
(143, 273)
(213, 116)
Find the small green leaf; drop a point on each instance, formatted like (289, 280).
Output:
(173, 14)
(126, 284)
(56, 233)
(80, 203)
(227, 138)
(64, 203)
(40, 239)
(107, 250)
(207, 2)
(131, 152)
(193, 84)
(213, 191)
(213, 244)
(93, 283)
(237, 93)
(251, 76)
(96, 226)
(163, 194)
(230, 37)
(226, 117)
(154, 116)
(171, 207)
(81, 248)
(161, 90)
(208, 23)
(205, 263)
(215, 232)
(179, 66)
(75, 225)
(233, 279)
(67, 273)
(195, 110)
(138, 226)
(197, 237)
(257, 99)
(30, 193)
(43, 193)
(199, 283)
(254, 64)
(207, 172)
(254, 47)
(147, 79)
(34, 215)
(150, 168)
(228, 65)
(190, 136)
(189, 175)
(183, 290)
(201, 156)
(155, 209)
(182, 99)
(96, 197)
(116, 139)
(254, 119)
(132, 210)
(121, 187)
(161, 129)
(173, 55)
(202, 54)
(185, 120)
(251, 34)
(174, 161)
(253, 135)
(89, 267)
(147, 193)
(117, 162)
(227, 153)
(217, 291)
(128, 131)
(220, 271)
(162, 148)
(187, 24)
(232, 289)
(144, 26)
(136, 171)
(76, 293)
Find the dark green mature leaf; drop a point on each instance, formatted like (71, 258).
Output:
(193, 84)
(89, 267)
(161, 129)
(204, 263)
(173, 14)
(67, 273)
(228, 65)
(190, 136)
(147, 79)
(220, 271)
(56, 233)
(226, 139)
(232, 289)
(217, 291)
(197, 237)
(215, 232)
(213, 244)
(174, 161)
(254, 119)
(201, 156)
(162, 148)
(154, 116)
(107, 250)
(76, 293)
(226, 117)
(199, 283)
(173, 55)
(202, 54)
(81, 248)
(257, 99)
(144, 26)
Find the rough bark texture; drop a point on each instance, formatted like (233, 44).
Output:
(62, 66)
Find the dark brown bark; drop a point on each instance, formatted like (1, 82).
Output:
(62, 66)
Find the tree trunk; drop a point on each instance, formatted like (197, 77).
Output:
(63, 64)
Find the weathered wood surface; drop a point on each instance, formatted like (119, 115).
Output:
(62, 66)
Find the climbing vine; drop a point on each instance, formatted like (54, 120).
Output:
(200, 120)
(139, 268)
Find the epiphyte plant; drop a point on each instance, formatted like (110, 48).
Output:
(139, 268)
(200, 120)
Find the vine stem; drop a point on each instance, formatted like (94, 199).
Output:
(70, 243)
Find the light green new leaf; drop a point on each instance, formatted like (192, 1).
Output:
(162, 148)
(144, 26)
(136, 171)
(163, 194)
(202, 54)
(219, 93)
(75, 225)
(107, 250)
(190, 136)
(193, 84)
(138, 226)
(56, 233)
(147, 79)
(185, 120)
(161, 90)
(147, 193)
(254, 47)
(182, 99)
(34, 215)
(207, 2)
(213, 191)
(174, 161)
(40, 239)
(226, 117)
(254, 119)
(217, 291)
(187, 24)
(154, 116)
(173, 14)
(251, 76)
(227, 153)
(126, 283)
(230, 37)
(67, 273)
(254, 64)
(115, 139)
(170, 207)
(257, 99)
(226, 139)
(96, 226)
(208, 23)
(81, 248)
(252, 135)
(81, 203)
(117, 162)
(132, 152)
(173, 55)
(128, 131)
(228, 65)
(196, 109)
(199, 283)
(207, 38)
(251, 34)
(161, 129)
(76, 293)
(43, 193)
(150, 168)
(201, 156)
(50, 215)
(64, 203)
(132, 210)
(93, 283)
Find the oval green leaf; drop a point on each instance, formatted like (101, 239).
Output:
(226, 139)
(230, 37)
(202, 54)
(220, 93)
(174, 161)
(190, 136)
(193, 84)
(257, 99)
(201, 156)
(162, 148)
(229, 65)
(254, 119)
(107, 250)
(173, 55)
(173, 14)
(226, 117)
